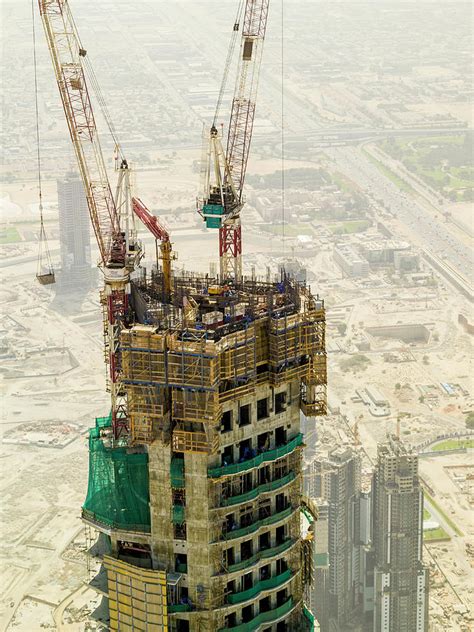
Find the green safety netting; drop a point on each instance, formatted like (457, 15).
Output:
(118, 489)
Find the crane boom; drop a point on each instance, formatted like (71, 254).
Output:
(244, 102)
(160, 234)
(67, 55)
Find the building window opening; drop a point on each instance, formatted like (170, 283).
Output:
(244, 415)
(281, 502)
(280, 436)
(264, 509)
(181, 563)
(247, 614)
(264, 475)
(262, 408)
(280, 535)
(230, 620)
(226, 421)
(247, 581)
(281, 566)
(229, 557)
(282, 597)
(245, 450)
(264, 541)
(263, 442)
(246, 550)
(265, 572)
(264, 604)
(280, 402)
(228, 455)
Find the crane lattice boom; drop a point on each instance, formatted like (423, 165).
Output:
(67, 55)
(244, 101)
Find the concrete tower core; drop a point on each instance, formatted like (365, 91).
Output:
(201, 504)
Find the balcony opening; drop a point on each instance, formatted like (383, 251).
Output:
(282, 597)
(247, 482)
(264, 541)
(280, 436)
(264, 509)
(246, 550)
(229, 557)
(263, 442)
(281, 503)
(280, 402)
(230, 523)
(265, 604)
(247, 614)
(247, 581)
(244, 415)
(226, 421)
(230, 620)
(262, 408)
(246, 516)
(230, 588)
(264, 475)
(182, 625)
(181, 563)
(227, 456)
(281, 627)
(281, 469)
(265, 572)
(281, 566)
(245, 450)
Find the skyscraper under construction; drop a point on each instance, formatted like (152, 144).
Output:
(203, 505)
(195, 476)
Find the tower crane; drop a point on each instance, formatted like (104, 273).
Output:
(120, 252)
(223, 173)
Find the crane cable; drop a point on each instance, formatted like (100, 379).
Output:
(89, 69)
(283, 200)
(228, 60)
(43, 252)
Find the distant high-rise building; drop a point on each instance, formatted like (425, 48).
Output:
(400, 577)
(74, 233)
(335, 481)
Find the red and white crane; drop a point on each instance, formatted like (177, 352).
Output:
(224, 172)
(111, 216)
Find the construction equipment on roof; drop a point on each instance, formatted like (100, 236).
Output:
(223, 173)
(161, 235)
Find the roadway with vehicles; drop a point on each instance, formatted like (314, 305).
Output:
(418, 223)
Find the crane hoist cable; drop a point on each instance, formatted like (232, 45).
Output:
(44, 268)
(89, 69)
(283, 200)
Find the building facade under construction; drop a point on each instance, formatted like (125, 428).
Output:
(200, 501)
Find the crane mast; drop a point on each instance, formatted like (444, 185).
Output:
(119, 253)
(223, 195)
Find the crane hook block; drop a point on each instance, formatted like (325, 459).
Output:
(82, 52)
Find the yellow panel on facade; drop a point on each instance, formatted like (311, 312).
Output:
(148, 609)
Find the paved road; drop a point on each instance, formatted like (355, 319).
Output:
(425, 231)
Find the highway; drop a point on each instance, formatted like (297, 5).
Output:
(420, 225)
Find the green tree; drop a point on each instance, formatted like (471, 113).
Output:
(470, 420)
